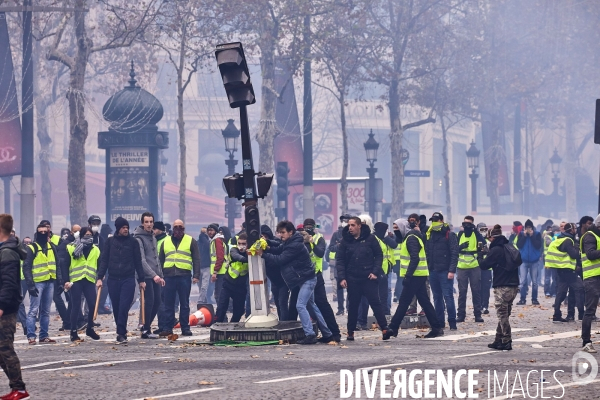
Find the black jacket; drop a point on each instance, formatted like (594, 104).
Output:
(204, 247)
(336, 238)
(11, 254)
(64, 259)
(357, 258)
(569, 247)
(496, 260)
(414, 248)
(293, 260)
(442, 250)
(121, 258)
(590, 246)
(273, 271)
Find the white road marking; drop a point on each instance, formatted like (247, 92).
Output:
(537, 346)
(543, 338)
(296, 377)
(50, 363)
(393, 365)
(164, 396)
(553, 387)
(475, 354)
(475, 335)
(101, 364)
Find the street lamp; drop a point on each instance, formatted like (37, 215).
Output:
(371, 147)
(231, 135)
(473, 162)
(555, 162)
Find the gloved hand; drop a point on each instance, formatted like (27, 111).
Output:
(33, 291)
(406, 281)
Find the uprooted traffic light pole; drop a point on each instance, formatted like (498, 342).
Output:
(248, 186)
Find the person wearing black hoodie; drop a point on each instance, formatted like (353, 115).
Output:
(358, 261)
(11, 255)
(280, 291)
(505, 283)
(530, 244)
(121, 259)
(297, 270)
(590, 257)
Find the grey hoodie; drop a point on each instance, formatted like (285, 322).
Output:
(147, 243)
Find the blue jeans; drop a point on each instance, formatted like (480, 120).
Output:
(182, 286)
(305, 303)
(532, 270)
(443, 295)
(41, 303)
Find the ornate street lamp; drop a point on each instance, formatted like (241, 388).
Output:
(371, 147)
(231, 135)
(473, 162)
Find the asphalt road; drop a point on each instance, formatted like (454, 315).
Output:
(189, 368)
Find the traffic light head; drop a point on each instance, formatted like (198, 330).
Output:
(235, 74)
(252, 223)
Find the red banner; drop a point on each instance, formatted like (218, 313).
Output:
(10, 124)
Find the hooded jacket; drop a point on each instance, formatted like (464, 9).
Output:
(204, 247)
(530, 246)
(357, 258)
(589, 245)
(149, 253)
(273, 271)
(121, 259)
(496, 261)
(442, 250)
(293, 260)
(11, 254)
(336, 237)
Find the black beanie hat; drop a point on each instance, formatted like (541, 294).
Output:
(214, 226)
(159, 225)
(528, 223)
(120, 222)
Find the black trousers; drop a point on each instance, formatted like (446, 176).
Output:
(292, 312)
(592, 294)
(416, 287)
(88, 290)
(152, 300)
(370, 289)
(235, 292)
(61, 308)
(568, 280)
(281, 295)
(324, 306)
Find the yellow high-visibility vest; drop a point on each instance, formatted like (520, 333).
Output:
(44, 265)
(237, 268)
(422, 269)
(84, 268)
(559, 259)
(318, 261)
(590, 267)
(180, 257)
(467, 258)
(213, 258)
(388, 255)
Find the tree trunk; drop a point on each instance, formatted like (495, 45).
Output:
(267, 129)
(570, 172)
(78, 123)
(396, 134)
(343, 180)
(448, 216)
(181, 123)
(45, 141)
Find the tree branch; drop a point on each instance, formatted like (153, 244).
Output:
(428, 120)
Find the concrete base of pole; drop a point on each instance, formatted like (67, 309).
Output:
(287, 331)
(261, 321)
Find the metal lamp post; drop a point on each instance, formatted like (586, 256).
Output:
(555, 162)
(473, 162)
(371, 147)
(231, 135)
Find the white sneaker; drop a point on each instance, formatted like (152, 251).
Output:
(588, 348)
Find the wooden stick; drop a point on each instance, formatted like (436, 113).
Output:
(142, 301)
(97, 302)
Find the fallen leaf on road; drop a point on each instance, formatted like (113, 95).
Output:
(290, 353)
(205, 383)
(255, 356)
(167, 361)
(70, 375)
(531, 361)
(520, 315)
(484, 333)
(343, 347)
(173, 337)
(333, 343)
(184, 360)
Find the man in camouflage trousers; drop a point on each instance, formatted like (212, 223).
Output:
(505, 283)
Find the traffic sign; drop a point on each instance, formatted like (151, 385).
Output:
(405, 156)
(417, 173)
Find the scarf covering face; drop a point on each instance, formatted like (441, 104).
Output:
(81, 244)
(178, 231)
(435, 226)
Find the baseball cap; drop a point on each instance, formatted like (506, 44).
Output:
(437, 216)
(94, 218)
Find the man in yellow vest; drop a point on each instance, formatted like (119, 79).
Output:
(180, 260)
(564, 256)
(80, 270)
(414, 271)
(234, 283)
(40, 274)
(590, 260)
(467, 272)
(54, 239)
(387, 244)
(317, 251)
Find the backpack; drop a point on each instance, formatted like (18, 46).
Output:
(513, 257)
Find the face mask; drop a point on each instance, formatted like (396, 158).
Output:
(467, 226)
(178, 231)
(310, 231)
(87, 240)
(412, 225)
(65, 236)
(76, 235)
(344, 224)
(436, 223)
(95, 228)
(41, 238)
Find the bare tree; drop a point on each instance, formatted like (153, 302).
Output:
(122, 22)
